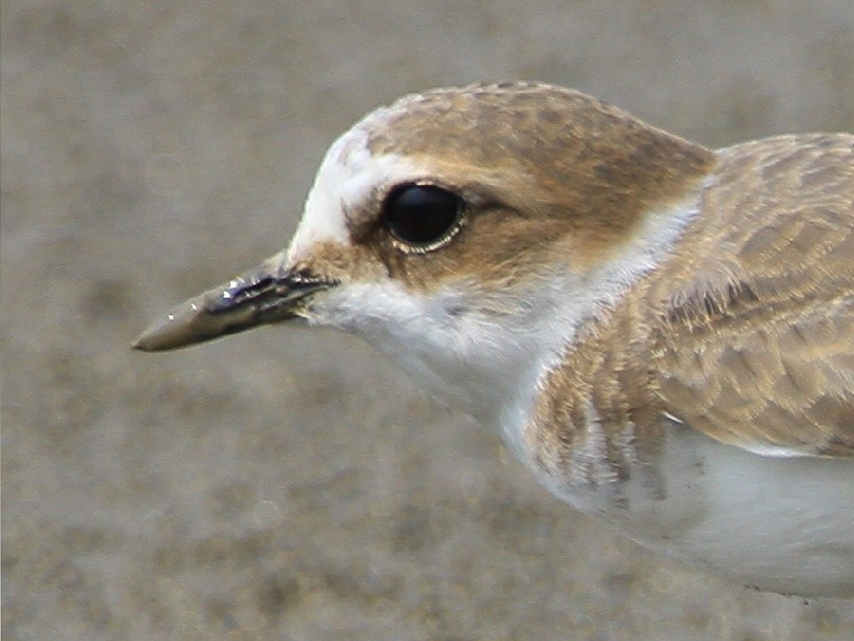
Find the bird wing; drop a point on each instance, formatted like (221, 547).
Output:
(765, 311)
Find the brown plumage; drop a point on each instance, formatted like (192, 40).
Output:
(746, 333)
(765, 310)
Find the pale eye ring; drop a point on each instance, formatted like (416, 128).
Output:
(422, 218)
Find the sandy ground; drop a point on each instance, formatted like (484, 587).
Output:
(289, 484)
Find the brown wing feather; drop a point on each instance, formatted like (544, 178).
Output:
(768, 305)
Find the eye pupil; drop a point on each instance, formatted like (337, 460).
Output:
(422, 215)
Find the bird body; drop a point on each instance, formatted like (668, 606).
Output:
(663, 333)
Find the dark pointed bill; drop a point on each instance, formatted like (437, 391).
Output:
(267, 294)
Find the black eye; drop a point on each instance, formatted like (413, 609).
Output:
(422, 216)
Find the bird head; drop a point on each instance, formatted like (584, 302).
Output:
(466, 232)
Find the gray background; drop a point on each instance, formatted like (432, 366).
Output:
(288, 484)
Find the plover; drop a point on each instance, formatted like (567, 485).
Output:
(663, 333)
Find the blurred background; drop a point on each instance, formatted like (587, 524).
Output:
(293, 485)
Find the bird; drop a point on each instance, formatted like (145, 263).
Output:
(661, 332)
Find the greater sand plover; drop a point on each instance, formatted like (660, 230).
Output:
(663, 333)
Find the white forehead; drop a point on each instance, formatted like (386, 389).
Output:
(347, 178)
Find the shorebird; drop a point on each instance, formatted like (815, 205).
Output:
(663, 333)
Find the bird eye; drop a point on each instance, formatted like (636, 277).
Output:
(422, 216)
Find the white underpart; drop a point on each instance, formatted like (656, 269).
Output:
(774, 523)
(777, 524)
